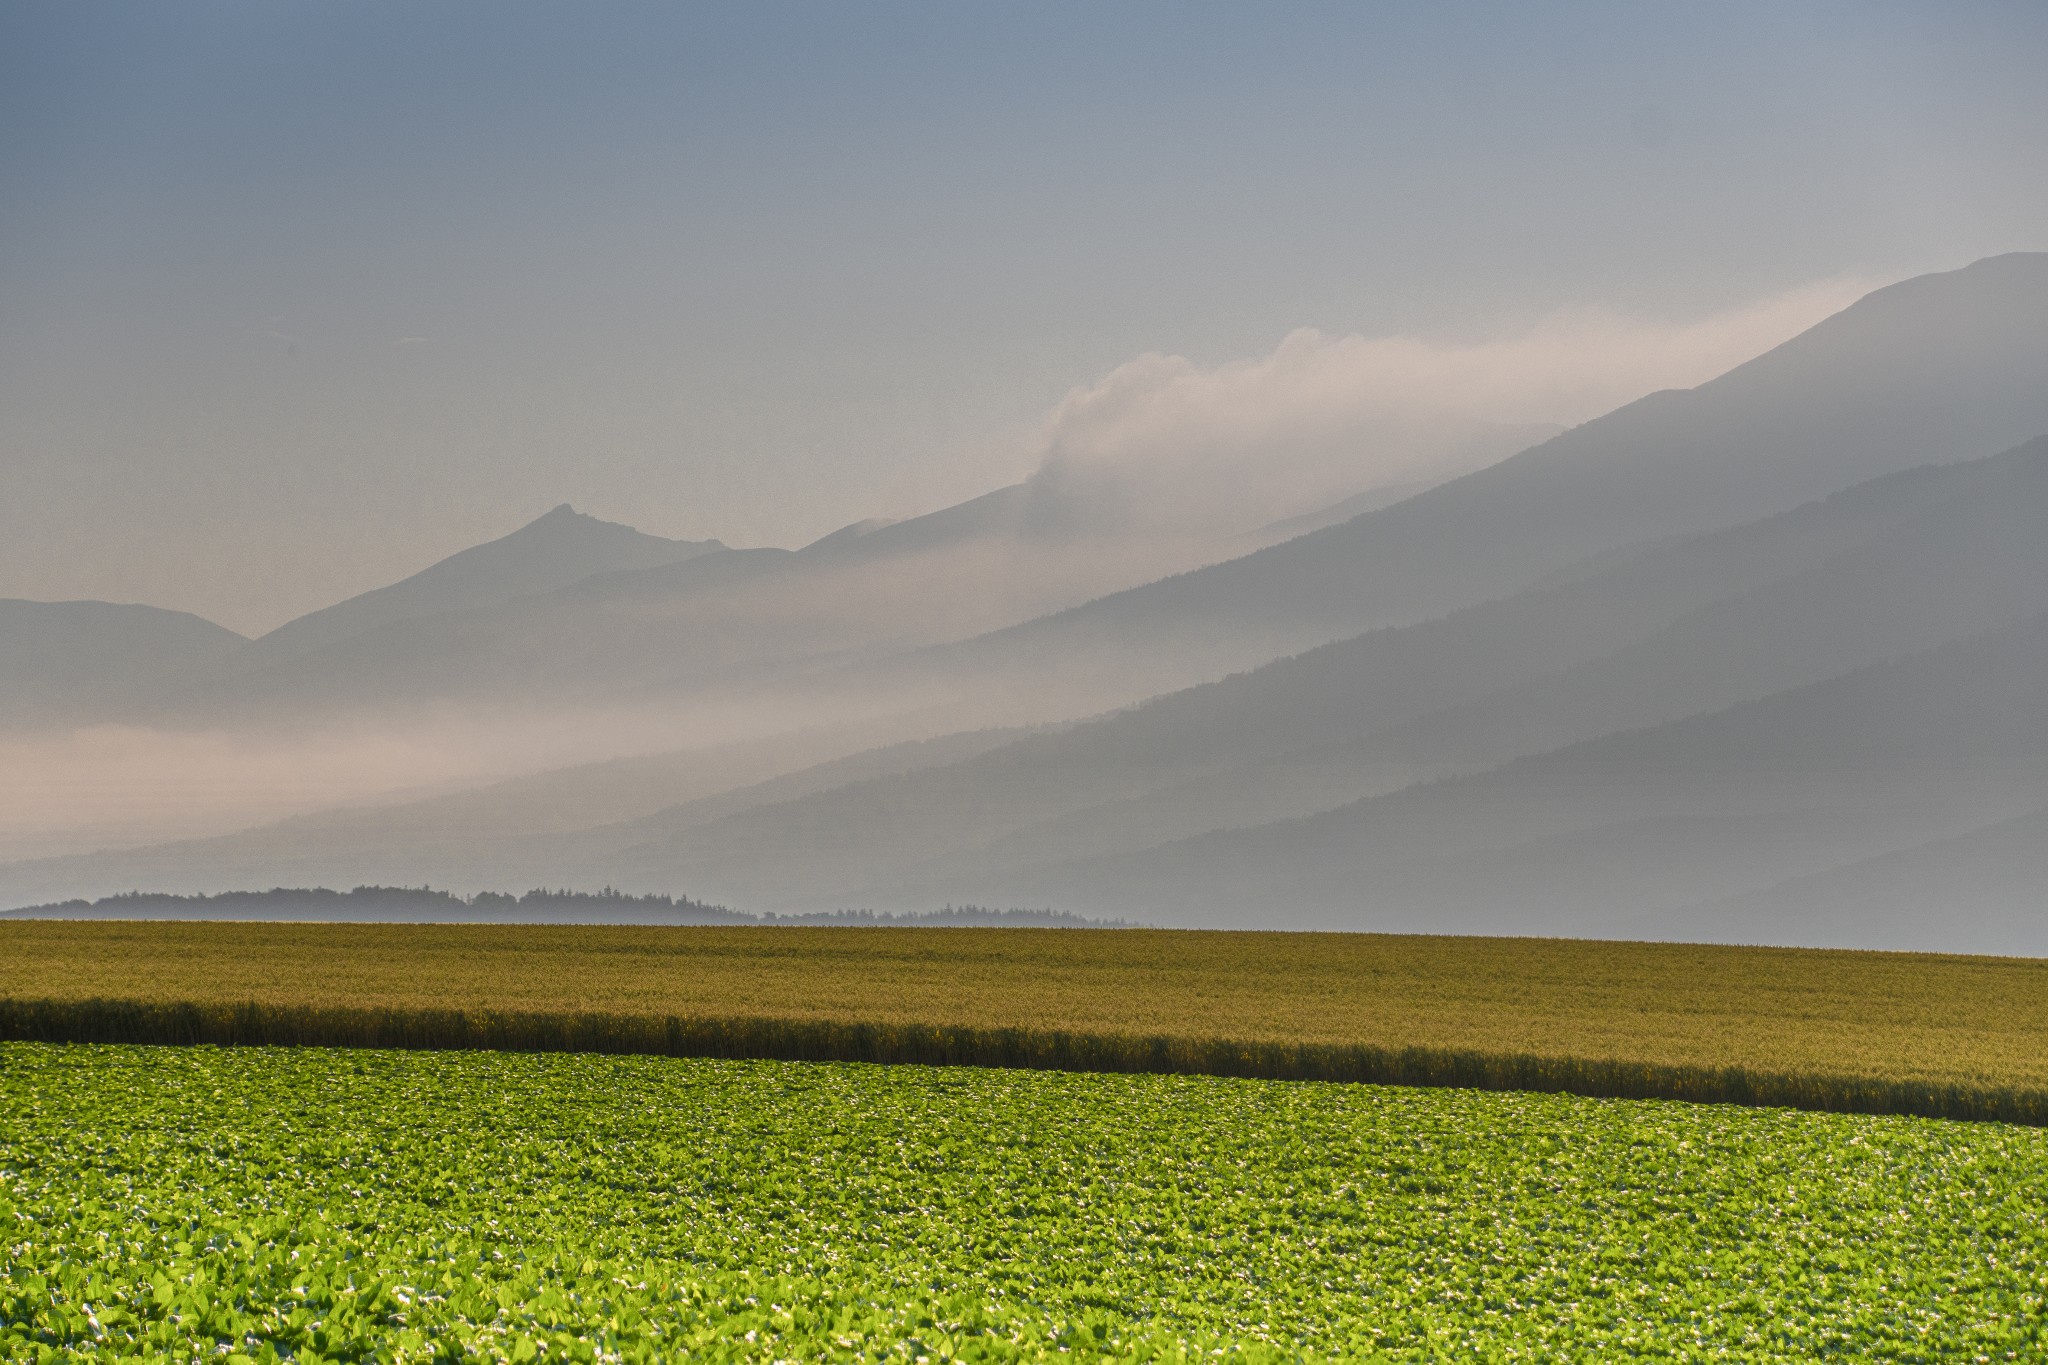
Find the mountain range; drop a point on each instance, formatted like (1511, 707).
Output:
(1763, 660)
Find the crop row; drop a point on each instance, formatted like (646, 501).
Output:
(1308, 1004)
(743, 1037)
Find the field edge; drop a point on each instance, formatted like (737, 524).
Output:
(769, 1038)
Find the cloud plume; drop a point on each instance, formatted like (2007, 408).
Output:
(1165, 441)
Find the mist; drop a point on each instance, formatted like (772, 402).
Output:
(1157, 468)
(1322, 417)
(1211, 473)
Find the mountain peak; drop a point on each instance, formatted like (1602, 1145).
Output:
(561, 514)
(558, 548)
(565, 520)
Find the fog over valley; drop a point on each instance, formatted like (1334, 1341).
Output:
(1681, 670)
(1580, 474)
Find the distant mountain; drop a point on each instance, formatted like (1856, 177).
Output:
(1982, 891)
(1680, 628)
(727, 617)
(574, 611)
(1357, 505)
(552, 552)
(1490, 444)
(59, 660)
(1954, 363)
(1693, 625)
(972, 611)
(1942, 367)
(1630, 833)
(535, 829)
(1718, 642)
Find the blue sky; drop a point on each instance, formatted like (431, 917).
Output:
(297, 297)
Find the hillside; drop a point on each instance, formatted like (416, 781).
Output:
(1941, 363)
(59, 660)
(652, 635)
(1693, 625)
(1965, 563)
(974, 607)
(552, 552)
(1895, 565)
(1978, 891)
(1824, 508)
(1624, 834)
(529, 830)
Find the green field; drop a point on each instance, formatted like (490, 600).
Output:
(333, 1204)
(1870, 1032)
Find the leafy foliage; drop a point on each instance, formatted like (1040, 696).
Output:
(321, 1205)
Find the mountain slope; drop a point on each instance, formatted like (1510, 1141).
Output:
(63, 659)
(730, 618)
(1954, 362)
(1960, 565)
(526, 831)
(1950, 363)
(1890, 567)
(1982, 891)
(552, 552)
(1625, 832)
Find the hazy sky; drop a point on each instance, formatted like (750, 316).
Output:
(295, 298)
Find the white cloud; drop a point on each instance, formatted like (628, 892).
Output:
(1321, 417)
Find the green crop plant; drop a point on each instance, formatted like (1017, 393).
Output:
(261, 1204)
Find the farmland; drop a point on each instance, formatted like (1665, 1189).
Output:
(318, 1204)
(1842, 1030)
(351, 1203)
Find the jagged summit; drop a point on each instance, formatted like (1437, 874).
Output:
(564, 515)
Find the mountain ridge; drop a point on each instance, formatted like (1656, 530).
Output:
(1846, 768)
(1801, 573)
(553, 551)
(1950, 362)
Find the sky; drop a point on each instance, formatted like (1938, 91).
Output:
(297, 298)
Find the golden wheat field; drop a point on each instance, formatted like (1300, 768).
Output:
(1886, 1031)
